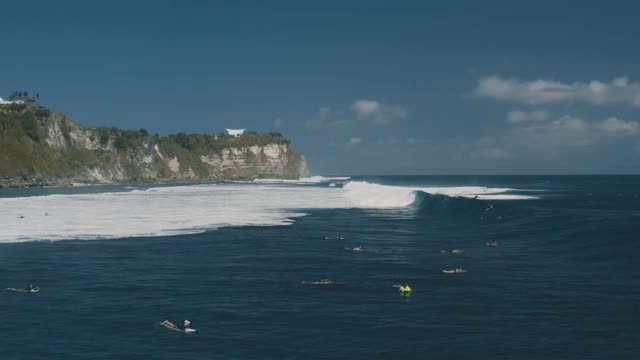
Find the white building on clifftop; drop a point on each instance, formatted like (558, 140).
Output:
(7, 102)
(235, 132)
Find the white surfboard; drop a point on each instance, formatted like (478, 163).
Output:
(34, 290)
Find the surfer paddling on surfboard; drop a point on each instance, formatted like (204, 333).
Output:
(453, 251)
(323, 281)
(185, 328)
(458, 270)
(29, 288)
(405, 288)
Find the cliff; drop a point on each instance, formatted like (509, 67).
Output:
(39, 146)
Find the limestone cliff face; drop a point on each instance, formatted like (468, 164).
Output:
(274, 160)
(81, 154)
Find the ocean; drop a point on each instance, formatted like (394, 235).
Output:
(112, 262)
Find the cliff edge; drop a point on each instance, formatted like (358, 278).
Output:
(40, 147)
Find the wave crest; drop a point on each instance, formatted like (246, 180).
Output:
(307, 180)
(173, 210)
(366, 195)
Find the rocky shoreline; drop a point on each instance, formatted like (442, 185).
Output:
(36, 182)
(40, 182)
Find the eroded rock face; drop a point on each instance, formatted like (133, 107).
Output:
(149, 160)
(273, 160)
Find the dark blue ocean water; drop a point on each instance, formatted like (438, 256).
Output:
(563, 282)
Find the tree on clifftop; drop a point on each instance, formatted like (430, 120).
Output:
(23, 96)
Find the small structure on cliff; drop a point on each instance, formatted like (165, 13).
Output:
(8, 102)
(235, 132)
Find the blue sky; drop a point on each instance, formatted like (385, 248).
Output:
(361, 87)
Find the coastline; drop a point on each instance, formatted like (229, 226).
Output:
(24, 183)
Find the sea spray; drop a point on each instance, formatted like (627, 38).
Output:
(165, 211)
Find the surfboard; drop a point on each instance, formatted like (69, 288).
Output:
(174, 328)
(454, 271)
(34, 290)
(354, 249)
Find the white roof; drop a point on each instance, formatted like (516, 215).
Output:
(235, 131)
(5, 102)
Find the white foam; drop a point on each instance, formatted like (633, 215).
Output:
(190, 209)
(308, 180)
(155, 212)
(364, 194)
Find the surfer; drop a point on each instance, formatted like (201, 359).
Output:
(405, 287)
(490, 207)
(21, 216)
(475, 197)
(458, 270)
(186, 326)
(30, 288)
(454, 251)
(323, 281)
(491, 243)
(358, 248)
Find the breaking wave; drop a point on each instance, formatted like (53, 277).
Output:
(366, 195)
(308, 180)
(164, 211)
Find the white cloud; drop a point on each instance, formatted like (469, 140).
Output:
(549, 137)
(325, 118)
(366, 110)
(565, 131)
(352, 142)
(569, 131)
(355, 141)
(619, 127)
(618, 91)
(488, 153)
(378, 113)
(487, 148)
(393, 141)
(386, 142)
(278, 123)
(366, 107)
(517, 117)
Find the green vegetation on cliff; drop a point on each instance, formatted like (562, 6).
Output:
(24, 152)
(38, 142)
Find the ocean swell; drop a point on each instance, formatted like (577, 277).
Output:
(164, 211)
(366, 195)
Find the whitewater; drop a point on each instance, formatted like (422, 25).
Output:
(173, 210)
